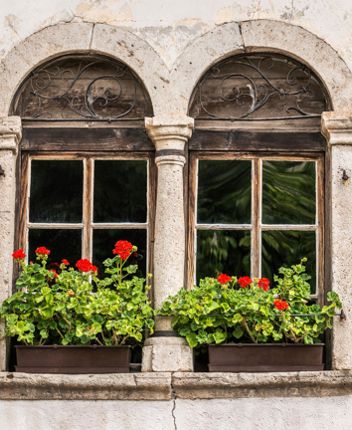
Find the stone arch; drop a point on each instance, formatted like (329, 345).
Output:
(62, 39)
(258, 36)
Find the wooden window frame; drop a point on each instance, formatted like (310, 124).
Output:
(225, 143)
(110, 142)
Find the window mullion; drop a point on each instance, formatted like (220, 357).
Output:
(256, 219)
(87, 208)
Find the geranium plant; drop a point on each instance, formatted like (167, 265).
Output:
(74, 306)
(243, 310)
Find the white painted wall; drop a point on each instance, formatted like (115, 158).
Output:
(169, 25)
(237, 414)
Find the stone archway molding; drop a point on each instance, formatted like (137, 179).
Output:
(76, 37)
(170, 90)
(259, 36)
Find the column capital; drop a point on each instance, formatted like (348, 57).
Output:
(337, 127)
(10, 133)
(169, 132)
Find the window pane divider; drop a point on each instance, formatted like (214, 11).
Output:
(223, 226)
(103, 226)
(288, 227)
(57, 226)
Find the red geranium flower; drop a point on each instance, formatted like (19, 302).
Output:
(244, 281)
(223, 278)
(85, 265)
(281, 305)
(19, 254)
(65, 262)
(264, 284)
(54, 272)
(123, 248)
(41, 250)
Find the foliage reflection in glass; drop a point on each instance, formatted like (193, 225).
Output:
(289, 192)
(224, 191)
(222, 252)
(284, 248)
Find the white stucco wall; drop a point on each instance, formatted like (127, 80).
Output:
(235, 414)
(170, 25)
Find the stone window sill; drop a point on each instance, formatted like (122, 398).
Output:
(167, 386)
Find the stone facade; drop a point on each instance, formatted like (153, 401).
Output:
(169, 45)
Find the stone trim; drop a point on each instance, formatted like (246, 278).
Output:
(10, 133)
(337, 128)
(169, 133)
(167, 386)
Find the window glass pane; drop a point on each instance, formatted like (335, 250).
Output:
(224, 191)
(288, 192)
(56, 191)
(223, 252)
(120, 191)
(62, 244)
(104, 241)
(281, 248)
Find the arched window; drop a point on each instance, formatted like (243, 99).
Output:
(87, 169)
(257, 163)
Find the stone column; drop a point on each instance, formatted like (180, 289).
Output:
(337, 128)
(165, 351)
(10, 135)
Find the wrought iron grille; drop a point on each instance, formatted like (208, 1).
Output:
(82, 88)
(258, 87)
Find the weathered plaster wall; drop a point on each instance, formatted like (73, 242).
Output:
(170, 25)
(237, 414)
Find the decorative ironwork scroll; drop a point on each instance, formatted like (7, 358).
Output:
(258, 87)
(82, 87)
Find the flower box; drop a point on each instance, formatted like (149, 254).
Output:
(249, 325)
(73, 359)
(75, 320)
(270, 357)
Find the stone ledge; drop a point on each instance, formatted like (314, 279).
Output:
(180, 385)
(118, 386)
(282, 384)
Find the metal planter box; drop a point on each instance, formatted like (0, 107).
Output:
(73, 359)
(265, 357)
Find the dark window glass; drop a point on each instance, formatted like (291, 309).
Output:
(288, 192)
(104, 241)
(62, 244)
(224, 191)
(120, 191)
(223, 252)
(56, 191)
(281, 248)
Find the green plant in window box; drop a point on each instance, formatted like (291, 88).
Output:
(85, 319)
(254, 327)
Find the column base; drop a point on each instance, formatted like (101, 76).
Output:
(167, 354)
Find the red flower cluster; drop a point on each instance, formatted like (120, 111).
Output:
(123, 249)
(264, 284)
(85, 265)
(19, 254)
(54, 272)
(41, 250)
(65, 262)
(244, 281)
(224, 279)
(281, 305)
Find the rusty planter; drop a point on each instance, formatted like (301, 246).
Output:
(73, 359)
(265, 357)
